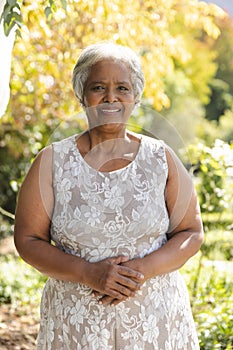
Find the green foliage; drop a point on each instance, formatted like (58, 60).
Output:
(221, 99)
(225, 126)
(222, 85)
(17, 148)
(219, 246)
(19, 283)
(219, 250)
(52, 7)
(8, 175)
(212, 312)
(224, 51)
(6, 223)
(213, 167)
(11, 16)
(209, 278)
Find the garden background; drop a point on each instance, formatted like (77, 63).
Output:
(187, 55)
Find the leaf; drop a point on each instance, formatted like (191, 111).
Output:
(11, 2)
(64, 4)
(18, 33)
(16, 16)
(48, 11)
(53, 5)
(8, 27)
(17, 6)
(6, 10)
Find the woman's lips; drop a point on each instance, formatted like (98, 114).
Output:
(110, 110)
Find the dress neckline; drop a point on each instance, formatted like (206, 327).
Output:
(77, 152)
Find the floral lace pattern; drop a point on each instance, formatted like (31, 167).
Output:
(99, 215)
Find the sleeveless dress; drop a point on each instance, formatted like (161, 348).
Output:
(99, 215)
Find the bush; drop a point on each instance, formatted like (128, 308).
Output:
(19, 283)
(213, 167)
(209, 278)
(211, 308)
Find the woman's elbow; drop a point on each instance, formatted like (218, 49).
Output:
(197, 240)
(21, 245)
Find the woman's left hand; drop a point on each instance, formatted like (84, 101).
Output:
(135, 264)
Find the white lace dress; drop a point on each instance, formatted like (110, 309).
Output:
(99, 215)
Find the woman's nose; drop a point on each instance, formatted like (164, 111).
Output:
(110, 96)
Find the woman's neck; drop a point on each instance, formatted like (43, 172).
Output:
(103, 139)
(108, 151)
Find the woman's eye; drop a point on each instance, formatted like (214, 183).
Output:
(123, 88)
(98, 88)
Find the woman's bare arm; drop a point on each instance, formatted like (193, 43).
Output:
(32, 239)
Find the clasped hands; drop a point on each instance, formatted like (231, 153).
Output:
(113, 280)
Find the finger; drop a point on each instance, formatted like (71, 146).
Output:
(107, 300)
(128, 283)
(124, 291)
(118, 259)
(115, 302)
(119, 291)
(126, 271)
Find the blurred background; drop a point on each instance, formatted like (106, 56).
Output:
(187, 56)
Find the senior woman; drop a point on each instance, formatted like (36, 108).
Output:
(110, 216)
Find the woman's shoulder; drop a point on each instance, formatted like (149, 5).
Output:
(148, 140)
(65, 141)
(65, 146)
(153, 143)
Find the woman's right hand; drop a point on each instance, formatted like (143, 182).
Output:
(108, 277)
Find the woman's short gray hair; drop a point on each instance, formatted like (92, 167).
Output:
(97, 52)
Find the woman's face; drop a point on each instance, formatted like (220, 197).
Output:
(108, 94)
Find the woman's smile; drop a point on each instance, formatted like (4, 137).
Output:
(109, 109)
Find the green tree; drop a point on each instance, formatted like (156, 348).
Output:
(221, 85)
